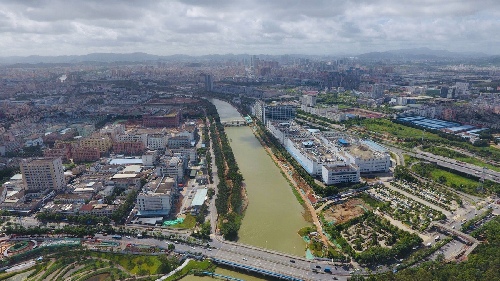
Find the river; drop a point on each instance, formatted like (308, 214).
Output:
(273, 215)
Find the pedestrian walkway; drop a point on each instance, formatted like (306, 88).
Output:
(418, 199)
(174, 271)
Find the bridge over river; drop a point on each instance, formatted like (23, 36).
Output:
(272, 263)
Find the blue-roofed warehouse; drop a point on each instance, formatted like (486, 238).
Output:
(198, 200)
(374, 146)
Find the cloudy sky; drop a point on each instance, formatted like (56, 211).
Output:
(197, 27)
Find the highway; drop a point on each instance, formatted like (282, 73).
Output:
(457, 165)
(282, 263)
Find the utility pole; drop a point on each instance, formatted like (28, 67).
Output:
(481, 180)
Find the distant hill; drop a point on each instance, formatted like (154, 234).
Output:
(98, 57)
(419, 54)
(394, 55)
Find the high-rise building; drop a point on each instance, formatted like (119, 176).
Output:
(273, 112)
(279, 112)
(209, 85)
(309, 100)
(43, 173)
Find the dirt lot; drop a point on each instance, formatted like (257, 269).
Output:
(346, 211)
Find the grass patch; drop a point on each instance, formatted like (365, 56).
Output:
(204, 265)
(188, 223)
(372, 202)
(453, 180)
(296, 193)
(394, 129)
(135, 264)
(409, 160)
(306, 230)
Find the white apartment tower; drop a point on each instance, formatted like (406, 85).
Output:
(43, 173)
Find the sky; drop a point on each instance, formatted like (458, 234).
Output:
(199, 27)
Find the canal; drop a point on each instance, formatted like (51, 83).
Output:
(273, 215)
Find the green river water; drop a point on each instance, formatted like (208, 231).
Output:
(273, 215)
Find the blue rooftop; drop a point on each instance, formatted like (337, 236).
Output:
(343, 142)
(375, 146)
(125, 161)
(199, 197)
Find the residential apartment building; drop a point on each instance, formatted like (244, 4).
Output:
(129, 148)
(101, 142)
(62, 150)
(157, 141)
(187, 153)
(132, 137)
(156, 199)
(85, 154)
(42, 174)
(178, 142)
(174, 167)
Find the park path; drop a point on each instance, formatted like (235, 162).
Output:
(174, 271)
(401, 225)
(418, 199)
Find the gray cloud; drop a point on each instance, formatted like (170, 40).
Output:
(52, 27)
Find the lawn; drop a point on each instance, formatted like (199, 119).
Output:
(397, 130)
(374, 203)
(192, 265)
(409, 160)
(458, 182)
(135, 264)
(453, 179)
(189, 222)
(141, 263)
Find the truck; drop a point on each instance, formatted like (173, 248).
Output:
(117, 237)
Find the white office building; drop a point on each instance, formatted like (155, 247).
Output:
(156, 199)
(157, 141)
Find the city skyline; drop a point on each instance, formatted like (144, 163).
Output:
(51, 28)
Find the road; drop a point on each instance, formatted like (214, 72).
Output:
(446, 162)
(418, 199)
(457, 165)
(211, 208)
(252, 256)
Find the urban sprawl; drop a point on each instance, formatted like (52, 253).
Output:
(396, 162)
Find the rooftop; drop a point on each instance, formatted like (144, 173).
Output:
(125, 161)
(199, 197)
